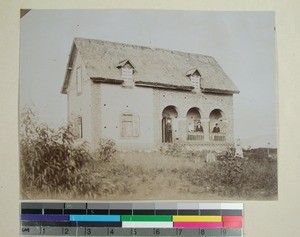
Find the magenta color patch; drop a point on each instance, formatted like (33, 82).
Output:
(198, 224)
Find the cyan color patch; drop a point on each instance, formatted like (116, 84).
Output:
(107, 218)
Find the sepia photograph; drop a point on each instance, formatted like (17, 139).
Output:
(147, 105)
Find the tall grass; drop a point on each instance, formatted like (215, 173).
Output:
(236, 177)
(50, 162)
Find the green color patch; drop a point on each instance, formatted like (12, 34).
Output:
(146, 218)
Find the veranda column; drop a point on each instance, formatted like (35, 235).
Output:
(205, 125)
(182, 129)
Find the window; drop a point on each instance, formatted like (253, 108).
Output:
(130, 125)
(195, 79)
(79, 127)
(127, 76)
(127, 70)
(78, 80)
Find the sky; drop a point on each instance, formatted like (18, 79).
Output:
(243, 43)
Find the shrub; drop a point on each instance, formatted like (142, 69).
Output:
(106, 149)
(50, 161)
(237, 177)
(231, 169)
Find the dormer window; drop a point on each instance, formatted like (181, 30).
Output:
(127, 74)
(127, 71)
(194, 76)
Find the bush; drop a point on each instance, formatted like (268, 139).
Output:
(237, 177)
(50, 161)
(106, 149)
(231, 169)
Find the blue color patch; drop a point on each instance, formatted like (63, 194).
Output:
(107, 218)
(39, 217)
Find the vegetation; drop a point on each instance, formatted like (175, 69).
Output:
(246, 178)
(106, 150)
(50, 162)
(54, 165)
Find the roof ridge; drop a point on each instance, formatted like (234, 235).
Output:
(210, 59)
(155, 66)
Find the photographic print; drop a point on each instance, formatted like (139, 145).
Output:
(148, 105)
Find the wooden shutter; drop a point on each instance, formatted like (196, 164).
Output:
(136, 125)
(78, 80)
(127, 125)
(79, 127)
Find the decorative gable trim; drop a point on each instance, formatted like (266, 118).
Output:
(195, 76)
(71, 60)
(124, 62)
(127, 71)
(192, 72)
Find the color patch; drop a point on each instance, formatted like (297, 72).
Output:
(197, 218)
(96, 223)
(106, 218)
(39, 217)
(233, 224)
(147, 224)
(146, 218)
(232, 218)
(132, 219)
(198, 224)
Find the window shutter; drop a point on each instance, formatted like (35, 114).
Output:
(79, 127)
(136, 126)
(127, 125)
(122, 120)
(78, 80)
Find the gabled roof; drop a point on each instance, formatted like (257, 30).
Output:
(123, 62)
(154, 67)
(192, 72)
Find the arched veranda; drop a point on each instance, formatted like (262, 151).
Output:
(169, 114)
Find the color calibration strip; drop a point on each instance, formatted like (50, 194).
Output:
(132, 219)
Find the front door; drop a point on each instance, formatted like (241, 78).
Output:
(167, 130)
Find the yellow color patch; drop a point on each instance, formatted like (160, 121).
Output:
(197, 218)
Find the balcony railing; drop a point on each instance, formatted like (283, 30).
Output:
(218, 137)
(195, 136)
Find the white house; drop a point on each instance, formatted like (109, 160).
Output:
(142, 97)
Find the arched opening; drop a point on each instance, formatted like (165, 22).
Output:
(216, 125)
(193, 120)
(194, 126)
(169, 114)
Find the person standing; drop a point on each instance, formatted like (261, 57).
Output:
(216, 128)
(168, 131)
(198, 127)
(238, 149)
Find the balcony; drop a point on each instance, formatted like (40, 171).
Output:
(195, 136)
(217, 137)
